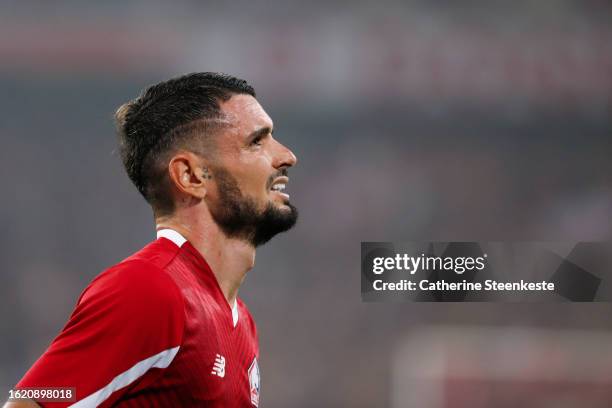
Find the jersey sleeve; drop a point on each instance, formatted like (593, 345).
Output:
(126, 328)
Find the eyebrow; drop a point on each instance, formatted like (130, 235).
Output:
(260, 133)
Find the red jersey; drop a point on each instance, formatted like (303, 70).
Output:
(154, 331)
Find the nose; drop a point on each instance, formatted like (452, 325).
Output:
(284, 157)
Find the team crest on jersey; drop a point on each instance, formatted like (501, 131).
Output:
(254, 382)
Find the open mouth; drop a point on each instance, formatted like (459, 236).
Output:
(279, 185)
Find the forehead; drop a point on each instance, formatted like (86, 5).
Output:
(245, 114)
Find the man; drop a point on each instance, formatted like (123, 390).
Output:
(165, 328)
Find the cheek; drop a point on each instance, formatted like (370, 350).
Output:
(256, 182)
(256, 170)
(252, 177)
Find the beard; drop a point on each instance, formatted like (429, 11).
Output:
(238, 216)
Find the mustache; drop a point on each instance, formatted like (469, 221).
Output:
(282, 172)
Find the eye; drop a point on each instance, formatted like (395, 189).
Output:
(257, 141)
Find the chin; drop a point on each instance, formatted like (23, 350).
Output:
(275, 219)
(280, 203)
(284, 204)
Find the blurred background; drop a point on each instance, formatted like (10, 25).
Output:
(412, 120)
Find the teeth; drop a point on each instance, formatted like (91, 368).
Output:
(278, 187)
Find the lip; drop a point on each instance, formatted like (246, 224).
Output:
(285, 195)
(280, 180)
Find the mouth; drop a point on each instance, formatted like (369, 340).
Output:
(279, 185)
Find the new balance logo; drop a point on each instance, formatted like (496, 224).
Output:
(219, 367)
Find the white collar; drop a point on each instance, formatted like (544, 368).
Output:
(179, 240)
(235, 313)
(172, 235)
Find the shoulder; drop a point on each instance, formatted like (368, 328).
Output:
(134, 277)
(134, 298)
(141, 274)
(135, 292)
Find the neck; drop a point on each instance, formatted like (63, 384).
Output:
(229, 258)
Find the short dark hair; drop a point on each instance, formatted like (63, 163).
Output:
(161, 119)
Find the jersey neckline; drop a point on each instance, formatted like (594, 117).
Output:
(179, 240)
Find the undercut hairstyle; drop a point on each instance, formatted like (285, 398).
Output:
(178, 113)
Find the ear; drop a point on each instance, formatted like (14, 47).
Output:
(189, 174)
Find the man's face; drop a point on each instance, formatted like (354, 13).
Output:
(250, 173)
